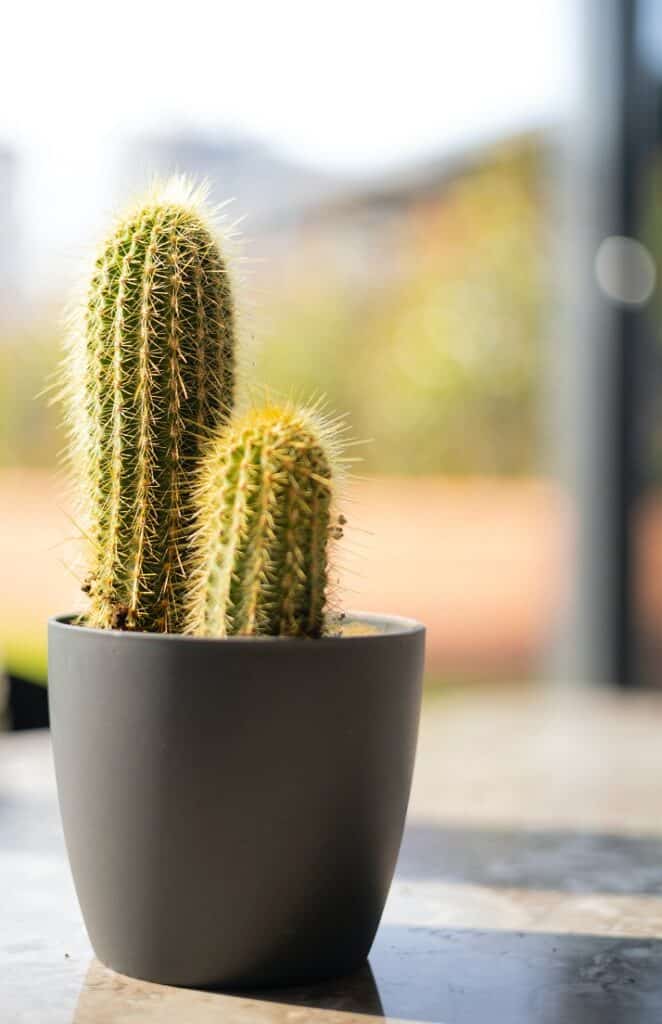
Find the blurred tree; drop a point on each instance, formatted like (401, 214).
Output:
(438, 357)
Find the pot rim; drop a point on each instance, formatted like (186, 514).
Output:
(392, 626)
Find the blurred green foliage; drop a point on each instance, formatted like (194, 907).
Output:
(25, 654)
(423, 320)
(436, 351)
(30, 428)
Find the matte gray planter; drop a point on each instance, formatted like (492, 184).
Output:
(233, 809)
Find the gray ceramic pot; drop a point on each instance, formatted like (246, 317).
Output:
(233, 808)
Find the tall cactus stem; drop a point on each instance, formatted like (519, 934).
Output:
(152, 367)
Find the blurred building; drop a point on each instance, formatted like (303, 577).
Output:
(264, 186)
(360, 230)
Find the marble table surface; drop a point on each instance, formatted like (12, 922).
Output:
(528, 891)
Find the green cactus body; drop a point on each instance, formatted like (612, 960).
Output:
(155, 378)
(265, 520)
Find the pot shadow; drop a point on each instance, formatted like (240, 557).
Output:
(449, 975)
(563, 860)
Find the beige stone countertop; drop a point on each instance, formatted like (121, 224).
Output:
(528, 891)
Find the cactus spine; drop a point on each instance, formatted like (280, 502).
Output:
(265, 519)
(155, 377)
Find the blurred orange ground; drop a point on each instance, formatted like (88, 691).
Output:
(479, 561)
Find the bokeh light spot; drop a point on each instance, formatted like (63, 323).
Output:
(625, 271)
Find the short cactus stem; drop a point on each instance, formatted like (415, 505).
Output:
(265, 522)
(155, 377)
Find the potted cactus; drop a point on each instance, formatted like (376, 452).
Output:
(233, 760)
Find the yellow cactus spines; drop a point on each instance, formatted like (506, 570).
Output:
(152, 377)
(266, 517)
